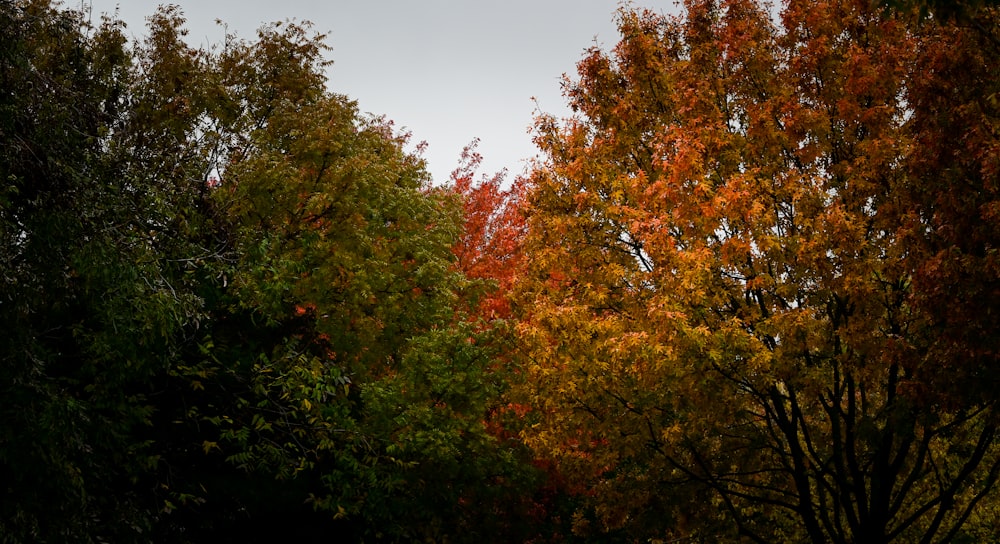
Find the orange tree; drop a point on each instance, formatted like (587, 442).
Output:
(760, 274)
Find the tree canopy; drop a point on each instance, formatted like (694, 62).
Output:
(231, 299)
(759, 273)
(746, 295)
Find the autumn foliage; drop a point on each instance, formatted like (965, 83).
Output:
(748, 294)
(759, 275)
(494, 227)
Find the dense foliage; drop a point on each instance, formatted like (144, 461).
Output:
(231, 304)
(747, 295)
(761, 270)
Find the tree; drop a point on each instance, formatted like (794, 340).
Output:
(91, 305)
(384, 379)
(490, 253)
(230, 297)
(737, 257)
(493, 230)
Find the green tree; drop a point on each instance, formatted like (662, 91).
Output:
(382, 387)
(228, 297)
(94, 302)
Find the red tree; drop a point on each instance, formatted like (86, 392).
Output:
(490, 247)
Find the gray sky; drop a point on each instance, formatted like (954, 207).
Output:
(446, 70)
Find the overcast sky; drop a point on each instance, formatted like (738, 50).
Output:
(446, 70)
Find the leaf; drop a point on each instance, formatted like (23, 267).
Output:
(730, 257)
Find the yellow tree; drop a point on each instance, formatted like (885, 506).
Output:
(728, 321)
